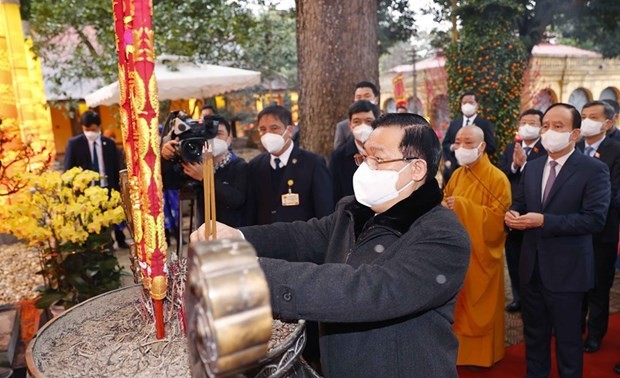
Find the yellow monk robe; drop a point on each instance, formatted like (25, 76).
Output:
(479, 312)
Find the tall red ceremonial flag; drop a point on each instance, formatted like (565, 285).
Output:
(139, 107)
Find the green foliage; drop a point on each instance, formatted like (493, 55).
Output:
(248, 34)
(75, 273)
(594, 26)
(270, 45)
(396, 23)
(490, 61)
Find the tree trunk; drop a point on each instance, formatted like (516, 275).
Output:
(337, 48)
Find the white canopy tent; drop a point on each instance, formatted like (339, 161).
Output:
(185, 80)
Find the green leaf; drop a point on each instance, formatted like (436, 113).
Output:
(48, 299)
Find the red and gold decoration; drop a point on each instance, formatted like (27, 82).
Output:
(139, 107)
(400, 93)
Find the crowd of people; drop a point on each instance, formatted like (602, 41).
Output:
(393, 250)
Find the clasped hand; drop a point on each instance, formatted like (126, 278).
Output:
(523, 222)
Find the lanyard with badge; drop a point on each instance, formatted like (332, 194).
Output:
(290, 198)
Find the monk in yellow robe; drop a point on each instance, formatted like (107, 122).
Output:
(479, 193)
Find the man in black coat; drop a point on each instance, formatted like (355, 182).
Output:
(98, 153)
(364, 90)
(286, 182)
(469, 108)
(597, 119)
(342, 161)
(382, 273)
(512, 162)
(561, 202)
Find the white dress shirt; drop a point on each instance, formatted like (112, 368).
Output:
(471, 119)
(283, 158)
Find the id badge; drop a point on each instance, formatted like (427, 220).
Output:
(290, 199)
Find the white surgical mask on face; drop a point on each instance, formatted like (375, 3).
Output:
(219, 147)
(529, 132)
(468, 109)
(362, 132)
(374, 187)
(590, 127)
(273, 142)
(555, 141)
(92, 135)
(466, 156)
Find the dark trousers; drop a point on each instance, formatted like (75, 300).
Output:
(513, 253)
(542, 311)
(596, 303)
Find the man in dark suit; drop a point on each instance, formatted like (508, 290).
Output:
(342, 161)
(597, 119)
(469, 107)
(286, 182)
(95, 152)
(613, 131)
(512, 162)
(561, 202)
(364, 90)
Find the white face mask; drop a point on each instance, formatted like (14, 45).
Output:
(555, 141)
(362, 132)
(374, 187)
(529, 132)
(92, 135)
(219, 147)
(468, 109)
(273, 142)
(590, 127)
(466, 156)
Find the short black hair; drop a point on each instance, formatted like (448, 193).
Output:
(364, 106)
(607, 108)
(91, 118)
(532, 112)
(573, 110)
(208, 107)
(280, 112)
(614, 104)
(221, 120)
(368, 84)
(469, 93)
(419, 139)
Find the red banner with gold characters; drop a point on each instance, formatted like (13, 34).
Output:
(400, 93)
(139, 107)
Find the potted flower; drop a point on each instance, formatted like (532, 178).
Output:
(68, 218)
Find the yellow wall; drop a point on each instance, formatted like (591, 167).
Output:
(61, 126)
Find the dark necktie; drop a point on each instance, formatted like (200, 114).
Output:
(95, 158)
(277, 161)
(550, 180)
(589, 151)
(527, 150)
(467, 122)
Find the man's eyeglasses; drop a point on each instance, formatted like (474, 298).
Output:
(374, 162)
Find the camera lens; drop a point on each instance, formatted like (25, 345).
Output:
(191, 150)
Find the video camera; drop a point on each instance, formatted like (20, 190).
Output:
(192, 134)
